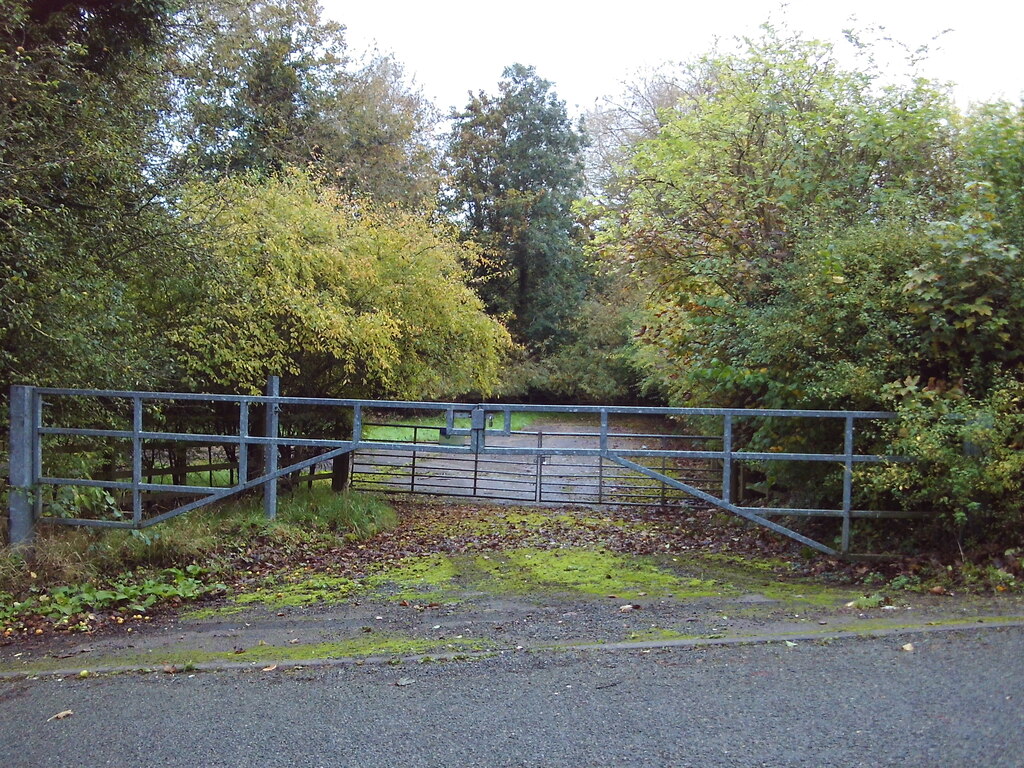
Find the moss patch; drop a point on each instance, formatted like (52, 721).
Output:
(212, 612)
(762, 577)
(656, 633)
(319, 589)
(588, 572)
(438, 578)
(417, 579)
(389, 645)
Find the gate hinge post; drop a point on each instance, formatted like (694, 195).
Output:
(21, 523)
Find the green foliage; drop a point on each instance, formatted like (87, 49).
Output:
(813, 237)
(967, 302)
(772, 219)
(594, 364)
(967, 465)
(344, 298)
(78, 222)
(994, 142)
(515, 169)
(770, 144)
(356, 516)
(74, 572)
(269, 84)
(63, 604)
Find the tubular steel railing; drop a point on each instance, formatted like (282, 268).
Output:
(541, 478)
(489, 435)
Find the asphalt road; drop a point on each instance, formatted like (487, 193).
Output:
(957, 699)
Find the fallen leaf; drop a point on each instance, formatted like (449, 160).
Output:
(61, 715)
(271, 668)
(625, 608)
(909, 648)
(790, 644)
(294, 640)
(403, 681)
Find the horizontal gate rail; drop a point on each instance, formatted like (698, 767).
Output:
(476, 452)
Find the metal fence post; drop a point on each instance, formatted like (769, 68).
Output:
(19, 498)
(600, 459)
(539, 490)
(137, 462)
(243, 441)
(844, 546)
(36, 426)
(412, 467)
(270, 449)
(727, 459)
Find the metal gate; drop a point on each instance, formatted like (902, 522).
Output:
(127, 424)
(549, 476)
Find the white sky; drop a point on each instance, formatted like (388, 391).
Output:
(586, 48)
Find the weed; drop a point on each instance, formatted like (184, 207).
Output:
(907, 581)
(71, 573)
(867, 601)
(65, 605)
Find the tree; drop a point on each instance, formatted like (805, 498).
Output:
(813, 237)
(269, 84)
(80, 221)
(770, 155)
(994, 140)
(515, 169)
(343, 298)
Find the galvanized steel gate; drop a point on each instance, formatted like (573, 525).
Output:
(476, 432)
(547, 477)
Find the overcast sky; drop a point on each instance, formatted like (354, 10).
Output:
(587, 48)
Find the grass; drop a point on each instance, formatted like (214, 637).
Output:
(402, 430)
(75, 564)
(221, 478)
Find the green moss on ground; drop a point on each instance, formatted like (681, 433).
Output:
(364, 646)
(588, 572)
(425, 578)
(438, 578)
(318, 589)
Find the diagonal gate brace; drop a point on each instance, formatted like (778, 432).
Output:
(721, 503)
(249, 484)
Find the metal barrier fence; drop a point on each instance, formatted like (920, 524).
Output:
(488, 435)
(549, 478)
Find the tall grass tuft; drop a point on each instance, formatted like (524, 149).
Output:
(210, 537)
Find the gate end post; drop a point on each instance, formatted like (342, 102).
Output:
(21, 520)
(270, 451)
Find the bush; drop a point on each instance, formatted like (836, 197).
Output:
(966, 461)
